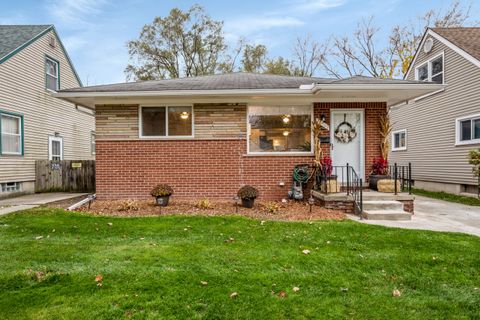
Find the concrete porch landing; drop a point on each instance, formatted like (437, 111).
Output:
(376, 205)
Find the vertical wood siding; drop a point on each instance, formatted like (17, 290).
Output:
(22, 90)
(430, 122)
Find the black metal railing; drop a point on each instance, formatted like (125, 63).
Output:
(402, 174)
(341, 179)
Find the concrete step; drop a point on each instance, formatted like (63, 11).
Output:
(389, 205)
(393, 215)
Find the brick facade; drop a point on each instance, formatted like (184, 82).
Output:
(208, 168)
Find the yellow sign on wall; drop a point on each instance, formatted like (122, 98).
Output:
(76, 164)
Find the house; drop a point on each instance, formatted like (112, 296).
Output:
(209, 135)
(34, 125)
(435, 132)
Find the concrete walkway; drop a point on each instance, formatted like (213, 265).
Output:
(437, 215)
(34, 200)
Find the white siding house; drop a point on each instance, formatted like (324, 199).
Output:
(33, 124)
(436, 132)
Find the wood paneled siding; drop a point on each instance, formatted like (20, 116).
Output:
(22, 90)
(430, 122)
(211, 121)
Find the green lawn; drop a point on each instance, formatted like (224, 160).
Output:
(153, 267)
(470, 201)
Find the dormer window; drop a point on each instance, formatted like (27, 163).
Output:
(52, 74)
(432, 70)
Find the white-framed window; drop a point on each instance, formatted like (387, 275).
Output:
(172, 121)
(432, 70)
(11, 129)
(468, 130)
(92, 142)
(280, 129)
(52, 74)
(399, 140)
(55, 148)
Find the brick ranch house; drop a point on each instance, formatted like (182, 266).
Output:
(207, 136)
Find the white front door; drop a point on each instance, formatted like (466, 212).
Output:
(347, 134)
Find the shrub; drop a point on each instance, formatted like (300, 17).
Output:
(128, 205)
(161, 190)
(247, 192)
(272, 207)
(474, 159)
(204, 204)
(380, 166)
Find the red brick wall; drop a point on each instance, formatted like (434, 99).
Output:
(208, 168)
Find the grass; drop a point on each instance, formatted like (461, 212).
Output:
(153, 267)
(471, 201)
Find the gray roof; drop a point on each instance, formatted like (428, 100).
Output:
(229, 81)
(14, 36)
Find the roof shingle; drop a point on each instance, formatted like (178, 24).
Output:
(14, 36)
(467, 39)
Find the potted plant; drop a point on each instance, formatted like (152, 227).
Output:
(162, 193)
(379, 172)
(248, 194)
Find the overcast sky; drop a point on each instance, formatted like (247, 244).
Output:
(95, 31)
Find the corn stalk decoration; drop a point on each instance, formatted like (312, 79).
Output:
(317, 145)
(474, 159)
(385, 130)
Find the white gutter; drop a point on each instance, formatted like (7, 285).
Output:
(363, 87)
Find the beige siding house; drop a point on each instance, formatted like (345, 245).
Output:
(435, 132)
(35, 125)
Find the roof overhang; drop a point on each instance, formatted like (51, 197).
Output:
(390, 93)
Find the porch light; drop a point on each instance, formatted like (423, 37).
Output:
(323, 118)
(286, 133)
(184, 115)
(286, 118)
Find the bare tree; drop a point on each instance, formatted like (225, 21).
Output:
(307, 56)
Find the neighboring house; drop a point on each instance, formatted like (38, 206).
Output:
(207, 136)
(436, 131)
(33, 124)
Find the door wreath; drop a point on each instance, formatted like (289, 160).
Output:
(345, 131)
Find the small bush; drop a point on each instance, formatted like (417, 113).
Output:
(247, 192)
(128, 205)
(204, 204)
(380, 166)
(161, 190)
(272, 207)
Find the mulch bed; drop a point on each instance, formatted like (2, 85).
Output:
(289, 211)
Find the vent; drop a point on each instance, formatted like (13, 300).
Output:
(52, 42)
(427, 47)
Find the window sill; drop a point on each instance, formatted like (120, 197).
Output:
(399, 149)
(467, 143)
(279, 154)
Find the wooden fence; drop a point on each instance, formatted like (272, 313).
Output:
(65, 175)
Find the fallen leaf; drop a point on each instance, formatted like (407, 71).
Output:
(344, 289)
(262, 223)
(306, 251)
(282, 294)
(204, 283)
(98, 278)
(296, 289)
(39, 237)
(110, 224)
(396, 293)
(434, 258)
(233, 295)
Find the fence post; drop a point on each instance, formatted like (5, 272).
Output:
(395, 179)
(409, 178)
(361, 199)
(348, 180)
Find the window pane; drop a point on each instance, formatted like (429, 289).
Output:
(422, 73)
(55, 148)
(153, 121)
(52, 83)
(465, 130)
(437, 66)
(10, 124)
(476, 130)
(402, 140)
(180, 121)
(276, 133)
(11, 143)
(438, 78)
(396, 143)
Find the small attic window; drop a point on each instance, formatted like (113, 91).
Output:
(52, 42)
